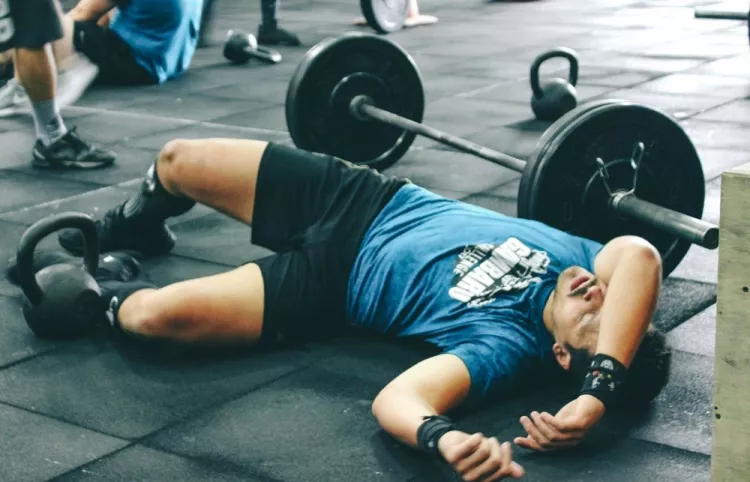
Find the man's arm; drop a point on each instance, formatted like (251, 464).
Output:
(431, 387)
(92, 10)
(631, 269)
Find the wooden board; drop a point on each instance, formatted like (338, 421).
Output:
(731, 422)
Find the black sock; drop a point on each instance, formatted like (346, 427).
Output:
(114, 294)
(154, 203)
(268, 13)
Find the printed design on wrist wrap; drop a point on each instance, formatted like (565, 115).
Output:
(604, 379)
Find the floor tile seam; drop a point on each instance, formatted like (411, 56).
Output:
(718, 106)
(261, 477)
(98, 187)
(84, 465)
(218, 405)
(33, 356)
(63, 421)
(661, 444)
(188, 123)
(186, 417)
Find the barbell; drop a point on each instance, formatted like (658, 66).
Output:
(605, 169)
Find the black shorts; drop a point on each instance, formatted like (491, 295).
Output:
(313, 211)
(114, 57)
(28, 24)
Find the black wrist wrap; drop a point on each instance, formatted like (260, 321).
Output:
(429, 434)
(604, 379)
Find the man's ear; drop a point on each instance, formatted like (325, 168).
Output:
(562, 355)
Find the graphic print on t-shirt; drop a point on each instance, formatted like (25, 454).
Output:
(484, 270)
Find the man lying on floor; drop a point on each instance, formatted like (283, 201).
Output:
(506, 300)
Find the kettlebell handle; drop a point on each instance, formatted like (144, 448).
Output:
(561, 52)
(40, 230)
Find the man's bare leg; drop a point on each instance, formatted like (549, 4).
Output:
(224, 308)
(222, 174)
(36, 71)
(219, 173)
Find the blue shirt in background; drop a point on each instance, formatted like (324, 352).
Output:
(466, 279)
(162, 34)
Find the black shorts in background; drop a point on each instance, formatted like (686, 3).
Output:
(28, 24)
(114, 57)
(313, 210)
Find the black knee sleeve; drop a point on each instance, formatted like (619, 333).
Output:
(155, 203)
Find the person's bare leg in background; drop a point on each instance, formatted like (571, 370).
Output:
(35, 26)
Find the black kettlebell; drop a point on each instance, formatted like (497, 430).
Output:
(62, 300)
(240, 47)
(556, 97)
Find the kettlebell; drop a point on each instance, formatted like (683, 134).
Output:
(62, 300)
(240, 47)
(556, 97)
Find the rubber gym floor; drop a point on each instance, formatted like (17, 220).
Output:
(95, 410)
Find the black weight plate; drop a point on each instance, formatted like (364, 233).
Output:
(547, 140)
(385, 16)
(335, 71)
(561, 185)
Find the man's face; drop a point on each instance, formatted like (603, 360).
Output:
(576, 306)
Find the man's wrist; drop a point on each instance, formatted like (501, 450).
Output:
(604, 379)
(430, 432)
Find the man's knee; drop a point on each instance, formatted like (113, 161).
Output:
(140, 316)
(174, 163)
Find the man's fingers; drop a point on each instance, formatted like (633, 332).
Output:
(481, 454)
(507, 469)
(528, 443)
(489, 465)
(548, 431)
(533, 431)
(465, 448)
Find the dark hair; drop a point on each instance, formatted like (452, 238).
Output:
(647, 375)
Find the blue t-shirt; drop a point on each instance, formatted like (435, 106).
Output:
(471, 281)
(162, 34)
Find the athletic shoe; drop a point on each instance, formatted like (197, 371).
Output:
(119, 275)
(276, 36)
(70, 152)
(119, 234)
(13, 99)
(73, 81)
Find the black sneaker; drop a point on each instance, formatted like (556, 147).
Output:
(70, 152)
(119, 234)
(119, 275)
(276, 36)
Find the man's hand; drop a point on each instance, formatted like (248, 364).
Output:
(477, 458)
(566, 429)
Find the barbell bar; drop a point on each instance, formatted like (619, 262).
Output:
(360, 97)
(626, 203)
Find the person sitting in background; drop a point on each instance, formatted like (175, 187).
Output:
(29, 28)
(132, 42)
